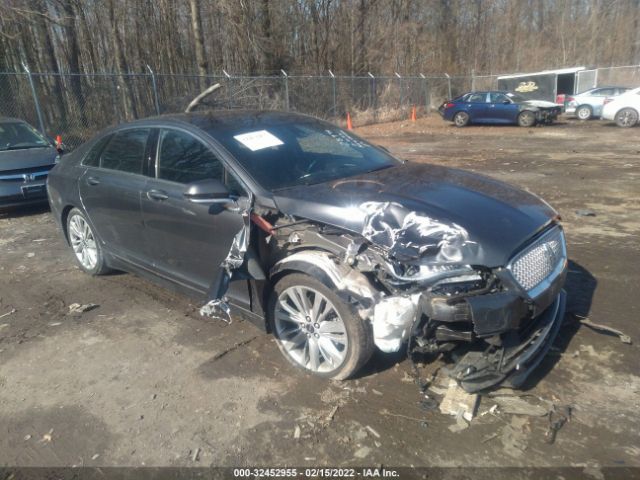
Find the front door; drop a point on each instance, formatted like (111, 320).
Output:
(188, 241)
(111, 192)
(501, 109)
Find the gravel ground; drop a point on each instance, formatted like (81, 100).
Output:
(143, 380)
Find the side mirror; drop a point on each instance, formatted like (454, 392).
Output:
(207, 191)
(506, 102)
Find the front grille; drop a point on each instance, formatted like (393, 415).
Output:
(25, 174)
(540, 261)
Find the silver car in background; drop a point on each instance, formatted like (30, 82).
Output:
(589, 104)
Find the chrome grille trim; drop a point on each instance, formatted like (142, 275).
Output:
(537, 266)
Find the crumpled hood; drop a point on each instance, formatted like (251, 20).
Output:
(27, 158)
(493, 216)
(541, 104)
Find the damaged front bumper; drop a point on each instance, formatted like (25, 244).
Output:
(521, 352)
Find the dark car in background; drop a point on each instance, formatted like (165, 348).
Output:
(498, 108)
(327, 241)
(26, 157)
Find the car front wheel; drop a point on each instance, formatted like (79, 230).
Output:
(86, 248)
(627, 117)
(526, 119)
(316, 330)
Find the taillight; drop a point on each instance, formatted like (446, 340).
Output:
(449, 105)
(569, 99)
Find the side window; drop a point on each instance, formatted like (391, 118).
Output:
(92, 159)
(125, 151)
(477, 98)
(184, 159)
(604, 92)
(498, 98)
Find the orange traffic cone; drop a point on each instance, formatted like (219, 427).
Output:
(349, 124)
(413, 114)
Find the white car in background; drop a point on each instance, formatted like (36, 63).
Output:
(623, 109)
(589, 104)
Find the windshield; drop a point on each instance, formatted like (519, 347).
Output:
(20, 135)
(300, 152)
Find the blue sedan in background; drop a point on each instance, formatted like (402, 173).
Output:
(498, 107)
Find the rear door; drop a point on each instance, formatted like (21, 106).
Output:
(188, 241)
(111, 190)
(477, 107)
(502, 109)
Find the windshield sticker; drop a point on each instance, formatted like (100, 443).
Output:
(345, 138)
(258, 140)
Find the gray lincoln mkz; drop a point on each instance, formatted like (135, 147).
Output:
(323, 239)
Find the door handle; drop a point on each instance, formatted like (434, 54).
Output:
(158, 195)
(93, 181)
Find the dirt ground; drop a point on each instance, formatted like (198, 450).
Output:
(144, 380)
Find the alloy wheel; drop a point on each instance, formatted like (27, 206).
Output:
(627, 117)
(310, 329)
(83, 242)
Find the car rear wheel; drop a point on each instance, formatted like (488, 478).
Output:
(461, 119)
(316, 330)
(627, 117)
(526, 119)
(86, 248)
(584, 112)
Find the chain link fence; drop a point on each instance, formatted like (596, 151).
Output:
(76, 106)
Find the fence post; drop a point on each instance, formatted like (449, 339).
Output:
(114, 93)
(427, 102)
(448, 84)
(333, 85)
(155, 90)
(286, 89)
(374, 96)
(228, 88)
(35, 98)
(400, 81)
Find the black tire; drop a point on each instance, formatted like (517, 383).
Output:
(627, 117)
(461, 119)
(97, 267)
(360, 345)
(584, 112)
(527, 119)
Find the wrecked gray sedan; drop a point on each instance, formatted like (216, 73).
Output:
(321, 238)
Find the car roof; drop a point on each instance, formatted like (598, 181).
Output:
(224, 119)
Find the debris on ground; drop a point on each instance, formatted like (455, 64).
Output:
(296, 432)
(362, 452)
(81, 308)
(624, 338)
(457, 400)
(95, 456)
(461, 424)
(332, 413)
(516, 405)
(10, 312)
(47, 437)
(387, 413)
(373, 432)
(558, 416)
(491, 411)
(196, 455)
(585, 213)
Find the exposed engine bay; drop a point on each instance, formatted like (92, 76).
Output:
(408, 277)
